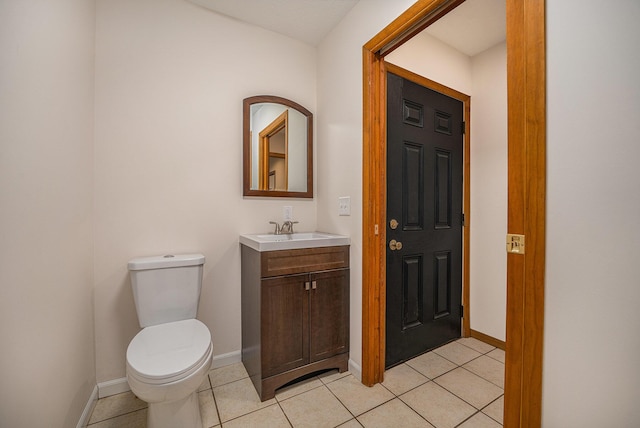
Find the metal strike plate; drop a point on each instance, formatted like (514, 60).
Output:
(515, 243)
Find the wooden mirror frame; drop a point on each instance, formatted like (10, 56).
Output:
(246, 148)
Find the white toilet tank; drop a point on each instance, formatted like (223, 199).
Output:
(166, 288)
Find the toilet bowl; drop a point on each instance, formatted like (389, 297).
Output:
(166, 364)
(171, 356)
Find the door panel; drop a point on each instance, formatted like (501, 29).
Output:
(413, 310)
(424, 195)
(413, 187)
(285, 327)
(329, 314)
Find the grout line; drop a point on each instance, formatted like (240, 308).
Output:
(117, 416)
(493, 419)
(285, 414)
(472, 415)
(215, 403)
(347, 373)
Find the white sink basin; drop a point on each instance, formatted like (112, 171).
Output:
(270, 242)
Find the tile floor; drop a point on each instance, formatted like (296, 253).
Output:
(457, 385)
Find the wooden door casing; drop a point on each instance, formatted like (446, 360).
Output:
(526, 76)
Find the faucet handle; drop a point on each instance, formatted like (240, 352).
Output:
(277, 230)
(292, 223)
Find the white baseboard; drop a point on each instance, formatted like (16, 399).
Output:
(113, 387)
(226, 359)
(355, 369)
(117, 386)
(88, 409)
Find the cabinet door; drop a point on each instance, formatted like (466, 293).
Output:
(329, 314)
(284, 324)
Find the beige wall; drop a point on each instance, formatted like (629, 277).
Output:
(169, 85)
(340, 136)
(488, 261)
(170, 80)
(452, 68)
(591, 371)
(47, 360)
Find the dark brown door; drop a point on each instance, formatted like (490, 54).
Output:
(285, 324)
(329, 314)
(424, 219)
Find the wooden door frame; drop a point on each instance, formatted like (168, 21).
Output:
(526, 84)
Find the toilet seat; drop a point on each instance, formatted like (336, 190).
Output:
(169, 352)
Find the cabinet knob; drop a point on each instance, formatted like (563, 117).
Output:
(306, 285)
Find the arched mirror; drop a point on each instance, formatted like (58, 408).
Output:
(277, 148)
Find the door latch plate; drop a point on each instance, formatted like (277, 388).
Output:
(515, 243)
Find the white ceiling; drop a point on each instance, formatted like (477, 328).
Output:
(305, 20)
(472, 27)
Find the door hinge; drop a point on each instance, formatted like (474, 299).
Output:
(464, 127)
(461, 311)
(462, 220)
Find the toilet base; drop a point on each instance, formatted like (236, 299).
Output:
(184, 413)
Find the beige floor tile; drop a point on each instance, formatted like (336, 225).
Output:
(350, 424)
(208, 409)
(437, 405)
(357, 397)
(298, 388)
(470, 387)
(495, 410)
(497, 354)
(402, 378)
(480, 420)
(431, 365)
(137, 419)
(457, 353)
(393, 414)
(317, 408)
(269, 417)
(116, 405)
(206, 384)
(238, 398)
(487, 368)
(332, 375)
(476, 344)
(227, 374)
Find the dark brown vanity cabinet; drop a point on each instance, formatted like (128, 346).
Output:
(295, 314)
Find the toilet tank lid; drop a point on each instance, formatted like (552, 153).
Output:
(166, 261)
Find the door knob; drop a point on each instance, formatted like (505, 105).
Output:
(395, 245)
(393, 224)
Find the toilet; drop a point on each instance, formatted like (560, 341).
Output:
(170, 357)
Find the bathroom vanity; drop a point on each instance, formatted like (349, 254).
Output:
(295, 311)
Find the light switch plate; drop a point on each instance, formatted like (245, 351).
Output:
(344, 205)
(287, 213)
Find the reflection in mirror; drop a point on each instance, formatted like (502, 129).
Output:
(277, 148)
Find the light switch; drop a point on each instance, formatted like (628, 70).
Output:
(287, 213)
(344, 205)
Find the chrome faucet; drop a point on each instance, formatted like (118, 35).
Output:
(277, 231)
(285, 229)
